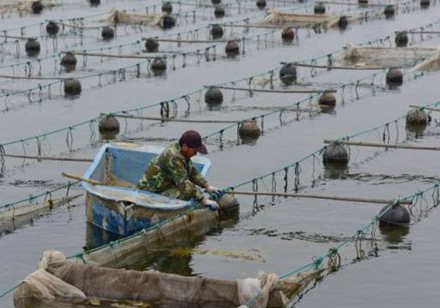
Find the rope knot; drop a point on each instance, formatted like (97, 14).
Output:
(317, 262)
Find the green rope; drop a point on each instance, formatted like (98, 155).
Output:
(111, 244)
(2, 295)
(51, 132)
(43, 194)
(383, 125)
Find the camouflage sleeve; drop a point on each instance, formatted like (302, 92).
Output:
(196, 177)
(143, 182)
(181, 179)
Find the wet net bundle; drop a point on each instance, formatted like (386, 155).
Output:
(59, 280)
(387, 56)
(278, 18)
(123, 17)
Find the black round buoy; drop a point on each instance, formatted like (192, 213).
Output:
(215, 2)
(213, 97)
(216, 31)
(416, 122)
(232, 49)
(261, 4)
(109, 127)
(327, 103)
(168, 22)
(343, 22)
(107, 33)
(95, 2)
(424, 4)
(389, 11)
(288, 74)
(249, 131)
(394, 77)
(52, 28)
(32, 47)
(219, 11)
(394, 215)
(401, 39)
(335, 152)
(319, 8)
(72, 87)
(327, 100)
(287, 34)
(37, 7)
(417, 116)
(158, 66)
(167, 7)
(152, 45)
(68, 61)
(227, 203)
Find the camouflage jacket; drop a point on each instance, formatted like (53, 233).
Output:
(171, 169)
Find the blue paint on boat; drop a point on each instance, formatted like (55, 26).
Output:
(124, 210)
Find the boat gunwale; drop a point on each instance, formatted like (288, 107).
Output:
(132, 192)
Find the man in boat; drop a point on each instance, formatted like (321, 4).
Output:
(173, 174)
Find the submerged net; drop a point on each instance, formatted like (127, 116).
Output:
(14, 216)
(26, 5)
(430, 64)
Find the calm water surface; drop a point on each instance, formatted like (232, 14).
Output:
(282, 235)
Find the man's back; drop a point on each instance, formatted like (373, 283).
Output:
(171, 174)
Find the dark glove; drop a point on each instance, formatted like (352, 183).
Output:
(213, 206)
(215, 193)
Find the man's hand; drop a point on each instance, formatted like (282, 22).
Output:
(213, 206)
(214, 192)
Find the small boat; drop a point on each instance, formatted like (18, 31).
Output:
(113, 202)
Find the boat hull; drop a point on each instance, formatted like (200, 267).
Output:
(123, 218)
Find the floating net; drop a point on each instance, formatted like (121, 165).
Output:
(387, 56)
(122, 17)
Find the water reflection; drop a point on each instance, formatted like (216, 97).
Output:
(327, 109)
(96, 237)
(176, 257)
(170, 256)
(395, 237)
(93, 303)
(335, 171)
(415, 131)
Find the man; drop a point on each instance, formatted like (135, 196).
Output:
(173, 174)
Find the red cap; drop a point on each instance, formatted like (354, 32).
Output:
(193, 140)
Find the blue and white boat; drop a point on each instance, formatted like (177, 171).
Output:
(116, 205)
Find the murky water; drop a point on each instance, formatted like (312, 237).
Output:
(276, 235)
